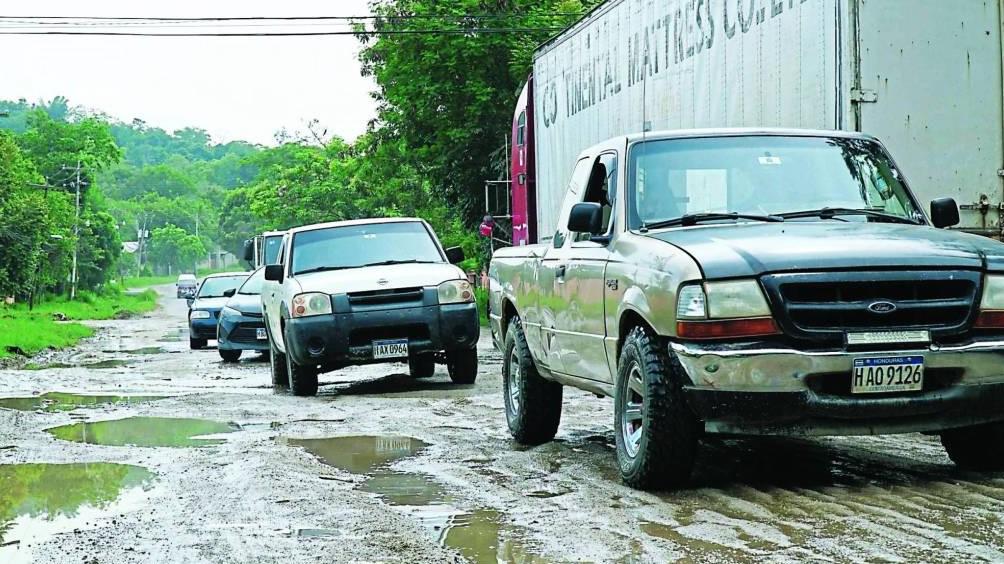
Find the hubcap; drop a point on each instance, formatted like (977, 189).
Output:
(632, 414)
(512, 383)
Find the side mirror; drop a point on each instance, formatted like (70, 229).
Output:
(274, 273)
(586, 217)
(944, 212)
(455, 255)
(230, 293)
(190, 302)
(248, 250)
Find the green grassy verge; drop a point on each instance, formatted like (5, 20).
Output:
(24, 332)
(147, 281)
(481, 296)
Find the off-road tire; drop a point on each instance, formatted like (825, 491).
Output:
(669, 437)
(536, 417)
(230, 356)
(462, 366)
(422, 366)
(197, 344)
(976, 448)
(277, 363)
(302, 379)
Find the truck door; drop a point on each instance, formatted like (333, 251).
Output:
(582, 325)
(553, 270)
(928, 84)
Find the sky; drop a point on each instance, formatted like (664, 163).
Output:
(234, 88)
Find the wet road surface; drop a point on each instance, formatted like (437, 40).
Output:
(132, 448)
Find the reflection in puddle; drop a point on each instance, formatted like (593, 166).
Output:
(480, 535)
(38, 501)
(144, 432)
(140, 351)
(59, 401)
(99, 365)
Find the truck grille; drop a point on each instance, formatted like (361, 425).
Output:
(386, 297)
(823, 306)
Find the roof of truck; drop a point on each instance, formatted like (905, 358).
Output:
(349, 223)
(744, 132)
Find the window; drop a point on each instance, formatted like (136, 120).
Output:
(253, 285)
(602, 189)
(357, 246)
(521, 129)
(580, 176)
(216, 287)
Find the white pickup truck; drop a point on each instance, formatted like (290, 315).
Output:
(368, 291)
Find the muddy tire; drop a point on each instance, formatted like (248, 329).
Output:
(655, 431)
(230, 356)
(976, 448)
(463, 366)
(302, 379)
(532, 404)
(197, 344)
(422, 366)
(277, 362)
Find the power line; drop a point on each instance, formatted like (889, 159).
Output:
(472, 31)
(294, 18)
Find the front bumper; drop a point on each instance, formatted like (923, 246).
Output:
(346, 338)
(203, 328)
(240, 333)
(757, 388)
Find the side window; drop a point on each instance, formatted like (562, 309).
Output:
(580, 176)
(602, 190)
(521, 129)
(281, 259)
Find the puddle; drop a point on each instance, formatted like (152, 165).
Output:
(480, 536)
(145, 432)
(38, 501)
(100, 365)
(59, 401)
(140, 351)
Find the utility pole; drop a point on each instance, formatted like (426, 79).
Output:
(76, 237)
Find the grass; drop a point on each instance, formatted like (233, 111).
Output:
(481, 296)
(26, 333)
(147, 281)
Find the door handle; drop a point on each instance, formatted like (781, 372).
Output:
(560, 273)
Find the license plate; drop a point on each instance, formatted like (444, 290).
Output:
(887, 374)
(261, 334)
(396, 348)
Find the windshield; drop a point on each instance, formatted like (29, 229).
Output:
(253, 285)
(766, 175)
(216, 287)
(272, 245)
(361, 245)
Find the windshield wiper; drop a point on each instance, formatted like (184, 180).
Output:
(695, 218)
(832, 213)
(322, 269)
(392, 262)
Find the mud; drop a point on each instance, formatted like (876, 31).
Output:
(60, 401)
(458, 489)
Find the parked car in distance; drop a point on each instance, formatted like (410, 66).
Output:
(186, 286)
(240, 326)
(204, 310)
(753, 282)
(368, 291)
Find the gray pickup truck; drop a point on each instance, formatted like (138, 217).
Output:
(741, 282)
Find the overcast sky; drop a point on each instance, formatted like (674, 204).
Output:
(235, 88)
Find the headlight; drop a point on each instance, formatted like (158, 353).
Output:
(231, 312)
(691, 303)
(740, 298)
(720, 310)
(201, 314)
(992, 304)
(455, 292)
(314, 303)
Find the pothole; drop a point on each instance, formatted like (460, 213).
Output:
(145, 432)
(140, 351)
(39, 501)
(60, 401)
(480, 535)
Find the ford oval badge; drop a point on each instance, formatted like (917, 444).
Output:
(882, 307)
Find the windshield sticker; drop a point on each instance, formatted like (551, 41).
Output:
(770, 161)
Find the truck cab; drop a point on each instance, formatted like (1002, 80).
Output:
(736, 281)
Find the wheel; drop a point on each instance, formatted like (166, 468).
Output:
(230, 356)
(302, 379)
(463, 366)
(277, 362)
(197, 344)
(532, 404)
(976, 448)
(655, 431)
(422, 366)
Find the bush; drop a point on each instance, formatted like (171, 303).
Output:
(481, 296)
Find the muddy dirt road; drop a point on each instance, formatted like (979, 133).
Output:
(143, 451)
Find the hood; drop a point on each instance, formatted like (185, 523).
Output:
(210, 304)
(369, 278)
(245, 303)
(751, 249)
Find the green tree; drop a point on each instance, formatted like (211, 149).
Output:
(175, 249)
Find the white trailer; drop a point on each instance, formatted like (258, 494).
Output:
(924, 76)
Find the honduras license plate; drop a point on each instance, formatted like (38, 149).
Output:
(392, 348)
(261, 334)
(881, 375)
